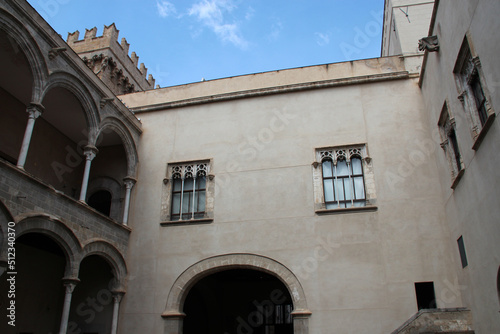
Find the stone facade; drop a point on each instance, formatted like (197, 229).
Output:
(471, 199)
(333, 192)
(68, 147)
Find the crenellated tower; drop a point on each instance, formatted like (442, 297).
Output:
(110, 61)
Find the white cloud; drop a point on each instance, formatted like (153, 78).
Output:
(211, 14)
(165, 8)
(322, 39)
(276, 29)
(250, 13)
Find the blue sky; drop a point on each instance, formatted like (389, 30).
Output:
(183, 41)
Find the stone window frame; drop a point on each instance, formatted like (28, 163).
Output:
(368, 174)
(447, 129)
(166, 202)
(467, 69)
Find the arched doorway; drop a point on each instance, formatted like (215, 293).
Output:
(238, 301)
(39, 292)
(174, 310)
(101, 201)
(92, 303)
(56, 149)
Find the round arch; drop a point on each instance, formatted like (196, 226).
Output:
(17, 32)
(112, 255)
(78, 89)
(182, 285)
(117, 126)
(114, 188)
(57, 231)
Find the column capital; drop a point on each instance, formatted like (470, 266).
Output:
(90, 152)
(70, 283)
(34, 110)
(129, 181)
(117, 295)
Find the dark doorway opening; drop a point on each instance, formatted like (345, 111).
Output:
(426, 298)
(92, 302)
(39, 290)
(101, 201)
(238, 301)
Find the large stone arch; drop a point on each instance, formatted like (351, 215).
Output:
(17, 32)
(116, 125)
(77, 88)
(112, 255)
(182, 285)
(55, 229)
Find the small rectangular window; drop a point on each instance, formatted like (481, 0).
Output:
(461, 249)
(426, 298)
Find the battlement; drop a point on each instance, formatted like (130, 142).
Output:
(109, 59)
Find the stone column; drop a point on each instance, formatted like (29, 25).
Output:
(174, 322)
(117, 297)
(129, 183)
(34, 111)
(70, 285)
(301, 321)
(90, 153)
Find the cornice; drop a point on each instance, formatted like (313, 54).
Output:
(274, 90)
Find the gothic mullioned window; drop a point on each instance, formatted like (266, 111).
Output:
(188, 192)
(343, 181)
(473, 93)
(450, 145)
(343, 178)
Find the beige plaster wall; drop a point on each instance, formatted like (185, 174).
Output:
(266, 80)
(401, 32)
(357, 269)
(472, 208)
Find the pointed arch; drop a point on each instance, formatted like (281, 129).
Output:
(116, 125)
(17, 32)
(182, 285)
(80, 91)
(112, 255)
(55, 229)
